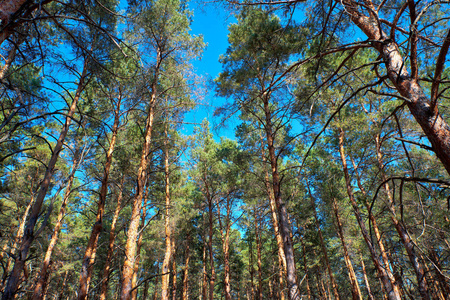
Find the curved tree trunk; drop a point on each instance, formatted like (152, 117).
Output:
(29, 236)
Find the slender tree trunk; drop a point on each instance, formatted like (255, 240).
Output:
(174, 273)
(134, 291)
(356, 292)
(226, 245)
(258, 253)
(204, 283)
(401, 230)
(44, 273)
(63, 286)
(210, 250)
(305, 267)
(187, 254)
(324, 249)
(291, 272)
(443, 281)
(251, 271)
(28, 237)
(366, 280)
(133, 229)
(112, 238)
(165, 292)
(388, 281)
(145, 293)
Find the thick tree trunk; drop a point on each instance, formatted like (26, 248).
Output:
(112, 238)
(356, 292)
(324, 249)
(133, 229)
(28, 238)
(165, 291)
(423, 109)
(91, 248)
(291, 272)
(386, 277)
(44, 273)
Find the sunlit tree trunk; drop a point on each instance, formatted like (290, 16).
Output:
(386, 276)
(305, 268)
(91, 248)
(291, 272)
(112, 238)
(133, 229)
(187, 254)
(29, 234)
(44, 273)
(366, 280)
(165, 291)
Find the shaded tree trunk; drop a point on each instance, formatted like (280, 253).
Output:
(323, 247)
(44, 273)
(29, 234)
(187, 254)
(356, 292)
(366, 280)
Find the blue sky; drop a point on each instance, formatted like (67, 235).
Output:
(212, 23)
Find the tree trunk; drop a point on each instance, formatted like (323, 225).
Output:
(204, 283)
(401, 230)
(210, 250)
(91, 248)
(44, 273)
(226, 245)
(324, 249)
(366, 280)
(133, 229)
(291, 272)
(134, 290)
(258, 253)
(305, 267)
(174, 273)
(28, 238)
(165, 292)
(386, 277)
(424, 110)
(356, 292)
(112, 238)
(187, 254)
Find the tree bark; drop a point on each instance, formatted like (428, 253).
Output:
(112, 238)
(28, 238)
(324, 250)
(226, 245)
(130, 249)
(291, 272)
(305, 267)
(424, 110)
(187, 254)
(44, 273)
(91, 248)
(386, 276)
(366, 280)
(356, 292)
(165, 292)
(258, 253)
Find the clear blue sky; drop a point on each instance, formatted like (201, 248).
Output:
(212, 23)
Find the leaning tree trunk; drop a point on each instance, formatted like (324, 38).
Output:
(29, 236)
(386, 276)
(44, 273)
(324, 249)
(91, 248)
(356, 292)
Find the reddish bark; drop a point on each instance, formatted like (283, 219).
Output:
(29, 236)
(187, 254)
(91, 248)
(44, 273)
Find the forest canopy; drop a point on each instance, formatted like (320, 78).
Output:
(335, 184)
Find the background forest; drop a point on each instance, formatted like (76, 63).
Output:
(335, 184)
